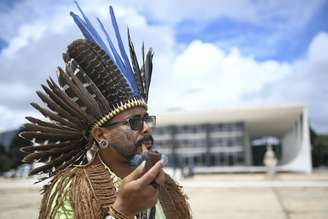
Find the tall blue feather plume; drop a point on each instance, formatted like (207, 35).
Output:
(80, 23)
(122, 66)
(121, 46)
(117, 57)
(95, 36)
(122, 62)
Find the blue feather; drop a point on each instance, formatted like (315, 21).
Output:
(121, 61)
(86, 32)
(121, 47)
(82, 26)
(118, 60)
(96, 37)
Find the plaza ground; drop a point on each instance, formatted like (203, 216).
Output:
(233, 196)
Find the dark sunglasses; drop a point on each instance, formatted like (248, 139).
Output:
(137, 123)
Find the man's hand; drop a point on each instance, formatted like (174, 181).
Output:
(136, 192)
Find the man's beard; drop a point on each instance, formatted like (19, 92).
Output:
(128, 148)
(137, 159)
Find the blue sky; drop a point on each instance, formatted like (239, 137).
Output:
(289, 46)
(224, 54)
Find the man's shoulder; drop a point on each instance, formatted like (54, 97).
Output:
(68, 176)
(69, 192)
(70, 172)
(91, 178)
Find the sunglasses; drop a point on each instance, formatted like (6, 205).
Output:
(137, 123)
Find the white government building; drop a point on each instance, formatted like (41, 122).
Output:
(223, 140)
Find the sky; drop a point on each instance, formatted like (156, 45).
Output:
(208, 54)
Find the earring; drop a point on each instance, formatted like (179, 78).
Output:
(103, 143)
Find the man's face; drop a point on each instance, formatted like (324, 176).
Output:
(123, 139)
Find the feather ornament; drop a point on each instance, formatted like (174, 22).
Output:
(97, 80)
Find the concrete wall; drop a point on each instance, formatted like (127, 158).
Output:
(296, 147)
(248, 151)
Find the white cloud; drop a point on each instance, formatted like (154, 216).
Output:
(205, 77)
(13, 119)
(26, 35)
(198, 76)
(14, 92)
(318, 48)
(274, 22)
(257, 12)
(35, 49)
(194, 10)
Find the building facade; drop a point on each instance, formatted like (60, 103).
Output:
(222, 140)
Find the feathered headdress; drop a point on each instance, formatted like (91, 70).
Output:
(98, 82)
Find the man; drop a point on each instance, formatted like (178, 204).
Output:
(97, 132)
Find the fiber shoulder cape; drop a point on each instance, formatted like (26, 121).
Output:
(90, 191)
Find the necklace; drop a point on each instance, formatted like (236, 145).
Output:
(117, 181)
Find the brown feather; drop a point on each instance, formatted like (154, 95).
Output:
(46, 154)
(135, 65)
(54, 117)
(58, 109)
(93, 105)
(75, 159)
(90, 119)
(44, 147)
(61, 102)
(48, 124)
(64, 157)
(148, 70)
(40, 137)
(44, 129)
(67, 101)
(39, 169)
(79, 92)
(47, 168)
(102, 101)
(100, 68)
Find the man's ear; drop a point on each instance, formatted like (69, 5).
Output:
(98, 133)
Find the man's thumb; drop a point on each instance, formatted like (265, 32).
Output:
(137, 173)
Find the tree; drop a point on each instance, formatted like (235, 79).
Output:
(14, 152)
(5, 161)
(319, 149)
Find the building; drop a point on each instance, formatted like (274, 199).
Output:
(223, 140)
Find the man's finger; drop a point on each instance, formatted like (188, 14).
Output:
(135, 174)
(151, 174)
(161, 178)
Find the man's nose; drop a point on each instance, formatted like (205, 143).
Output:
(146, 128)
